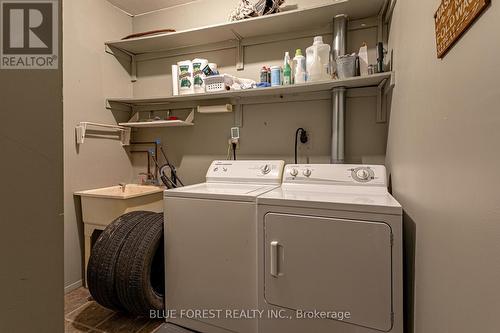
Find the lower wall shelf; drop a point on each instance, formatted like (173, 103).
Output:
(135, 123)
(157, 123)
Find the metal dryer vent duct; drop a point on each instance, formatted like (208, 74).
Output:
(338, 94)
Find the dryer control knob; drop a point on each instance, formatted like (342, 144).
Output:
(265, 169)
(307, 172)
(294, 172)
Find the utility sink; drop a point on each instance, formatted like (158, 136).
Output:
(126, 191)
(102, 205)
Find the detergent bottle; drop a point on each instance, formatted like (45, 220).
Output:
(299, 67)
(318, 60)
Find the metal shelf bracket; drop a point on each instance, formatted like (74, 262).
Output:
(240, 52)
(82, 127)
(381, 103)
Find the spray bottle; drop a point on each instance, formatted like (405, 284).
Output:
(287, 70)
(299, 67)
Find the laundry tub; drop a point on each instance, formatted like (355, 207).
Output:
(102, 206)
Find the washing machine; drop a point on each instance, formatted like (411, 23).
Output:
(330, 252)
(211, 247)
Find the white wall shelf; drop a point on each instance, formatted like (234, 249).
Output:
(161, 123)
(250, 96)
(240, 33)
(157, 123)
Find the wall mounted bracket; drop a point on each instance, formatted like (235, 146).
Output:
(130, 57)
(240, 52)
(82, 127)
(381, 103)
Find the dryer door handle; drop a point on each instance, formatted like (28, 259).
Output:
(274, 260)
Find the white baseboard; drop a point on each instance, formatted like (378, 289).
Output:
(73, 286)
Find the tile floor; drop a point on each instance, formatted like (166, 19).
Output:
(82, 314)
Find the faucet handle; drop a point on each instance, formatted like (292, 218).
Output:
(123, 186)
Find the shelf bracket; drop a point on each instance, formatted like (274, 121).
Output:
(381, 105)
(238, 115)
(119, 53)
(133, 68)
(81, 131)
(240, 52)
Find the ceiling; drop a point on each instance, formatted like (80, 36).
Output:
(136, 7)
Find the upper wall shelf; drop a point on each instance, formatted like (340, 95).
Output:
(284, 22)
(250, 96)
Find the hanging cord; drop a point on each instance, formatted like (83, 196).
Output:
(173, 170)
(228, 155)
(169, 183)
(303, 139)
(234, 150)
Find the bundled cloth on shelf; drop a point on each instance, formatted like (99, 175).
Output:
(255, 8)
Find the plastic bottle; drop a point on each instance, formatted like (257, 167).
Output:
(299, 67)
(318, 60)
(287, 70)
(363, 60)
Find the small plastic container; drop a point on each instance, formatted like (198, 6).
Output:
(215, 83)
(275, 76)
(185, 77)
(346, 66)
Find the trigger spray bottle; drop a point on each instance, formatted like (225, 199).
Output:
(287, 70)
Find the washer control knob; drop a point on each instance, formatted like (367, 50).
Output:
(265, 169)
(294, 172)
(363, 174)
(307, 172)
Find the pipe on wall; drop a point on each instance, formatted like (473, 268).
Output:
(338, 121)
(339, 48)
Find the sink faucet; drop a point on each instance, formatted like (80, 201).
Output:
(123, 186)
(150, 180)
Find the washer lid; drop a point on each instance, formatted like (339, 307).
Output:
(352, 198)
(221, 191)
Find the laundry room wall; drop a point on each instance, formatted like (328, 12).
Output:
(268, 130)
(444, 159)
(90, 75)
(31, 198)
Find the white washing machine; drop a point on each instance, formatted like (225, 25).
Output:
(211, 245)
(330, 252)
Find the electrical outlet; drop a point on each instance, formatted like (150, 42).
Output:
(306, 147)
(229, 141)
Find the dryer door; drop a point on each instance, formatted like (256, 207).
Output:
(326, 264)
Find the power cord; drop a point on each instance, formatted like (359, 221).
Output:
(234, 145)
(303, 139)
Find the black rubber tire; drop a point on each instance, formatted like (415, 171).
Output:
(104, 255)
(140, 276)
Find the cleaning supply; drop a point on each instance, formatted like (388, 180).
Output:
(185, 77)
(299, 67)
(363, 60)
(287, 70)
(318, 60)
(213, 67)
(263, 75)
(275, 76)
(198, 75)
